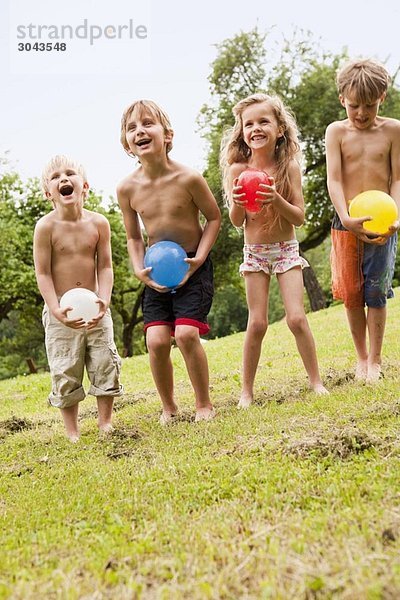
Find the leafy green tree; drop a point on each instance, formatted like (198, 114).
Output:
(126, 295)
(21, 333)
(304, 76)
(20, 207)
(238, 70)
(127, 291)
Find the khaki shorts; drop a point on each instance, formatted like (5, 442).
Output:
(70, 350)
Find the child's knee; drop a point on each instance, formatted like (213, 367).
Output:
(297, 323)
(258, 327)
(158, 344)
(186, 336)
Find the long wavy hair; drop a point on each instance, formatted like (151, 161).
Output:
(235, 150)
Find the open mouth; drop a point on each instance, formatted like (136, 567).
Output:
(66, 190)
(143, 143)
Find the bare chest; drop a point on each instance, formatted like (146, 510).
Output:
(160, 203)
(365, 151)
(71, 240)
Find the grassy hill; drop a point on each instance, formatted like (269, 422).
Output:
(298, 497)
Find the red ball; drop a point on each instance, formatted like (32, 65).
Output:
(250, 180)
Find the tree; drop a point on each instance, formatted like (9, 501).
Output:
(20, 207)
(127, 295)
(237, 72)
(304, 76)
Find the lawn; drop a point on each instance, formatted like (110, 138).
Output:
(297, 497)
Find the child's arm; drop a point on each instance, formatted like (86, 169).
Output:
(237, 201)
(335, 187)
(42, 253)
(208, 207)
(395, 171)
(135, 243)
(291, 209)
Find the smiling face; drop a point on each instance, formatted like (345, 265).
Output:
(66, 186)
(145, 133)
(361, 114)
(259, 126)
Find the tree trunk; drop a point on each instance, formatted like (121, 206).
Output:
(31, 365)
(314, 291)
(128, 329)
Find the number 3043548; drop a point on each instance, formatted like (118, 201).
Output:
(42, 47)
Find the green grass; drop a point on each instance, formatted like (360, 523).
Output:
(298, 497)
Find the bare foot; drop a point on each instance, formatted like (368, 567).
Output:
(205, 414)
(245, 400)
(320, 389)
(361, 371)
(374, 373)
(73, 437)
(167, 417)
(106, 429)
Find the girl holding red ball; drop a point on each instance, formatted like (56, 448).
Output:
(263, 144)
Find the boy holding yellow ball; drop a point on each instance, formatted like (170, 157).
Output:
(363, 153)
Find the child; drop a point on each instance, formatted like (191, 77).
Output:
(363, 153)
(264, 137)
(72, 249)
(168, 198)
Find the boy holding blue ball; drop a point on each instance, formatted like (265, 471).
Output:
(169, 199)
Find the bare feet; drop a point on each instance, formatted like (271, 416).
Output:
(319, 388)
(73, 437)
(374, 373)
(361, 371)
(106, 429)
(205, 414)
(167, 417)
(245, 400)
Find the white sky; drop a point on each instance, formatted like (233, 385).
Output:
(71, 102)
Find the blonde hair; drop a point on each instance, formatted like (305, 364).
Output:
(60, 162)
(366, 79)
(235, 150)
(145, 106)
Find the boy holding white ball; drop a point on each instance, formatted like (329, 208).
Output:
(72, 253)
(363, 153)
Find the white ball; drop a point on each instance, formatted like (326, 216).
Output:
(83, 302)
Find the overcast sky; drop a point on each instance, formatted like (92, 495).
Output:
(70, 102)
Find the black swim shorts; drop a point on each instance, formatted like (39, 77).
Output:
(188, 305)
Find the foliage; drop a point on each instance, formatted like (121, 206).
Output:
(237, 71)
(295, 498)
(127, 292)
(20, 207)
(229, 311)
(304, 76)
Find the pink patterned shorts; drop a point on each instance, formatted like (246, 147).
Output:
(272, 258)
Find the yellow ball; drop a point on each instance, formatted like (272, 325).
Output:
(378, 205)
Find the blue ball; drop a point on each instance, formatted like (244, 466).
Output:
(167, 262)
